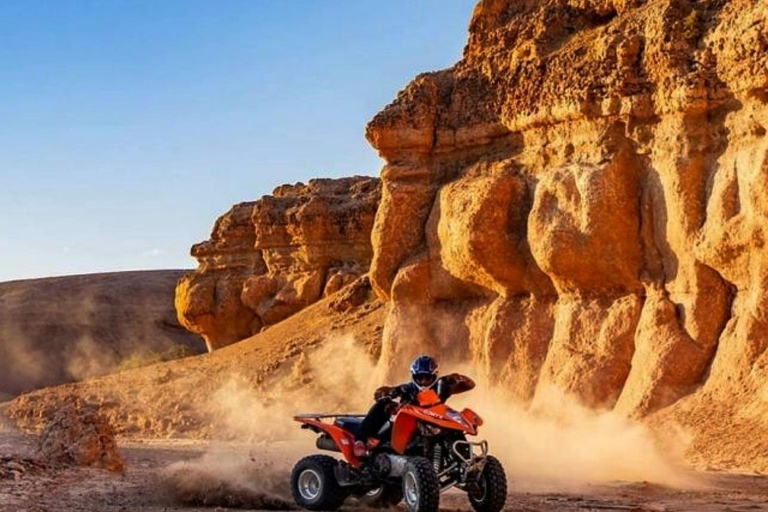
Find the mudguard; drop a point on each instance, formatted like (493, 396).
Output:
(430, 410)
(343, 439)
(402, 431)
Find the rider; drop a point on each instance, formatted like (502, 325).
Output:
(423, 376)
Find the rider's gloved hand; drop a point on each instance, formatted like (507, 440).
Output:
(452, 378)
(458, 383)
(383, 392)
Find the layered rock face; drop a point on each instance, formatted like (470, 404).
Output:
(581, 202)
(270, 258)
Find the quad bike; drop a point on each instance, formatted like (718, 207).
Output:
(425, 453)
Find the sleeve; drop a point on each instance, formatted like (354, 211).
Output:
(406, 392)
(453, 384)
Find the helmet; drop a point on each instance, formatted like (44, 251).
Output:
(424, 371)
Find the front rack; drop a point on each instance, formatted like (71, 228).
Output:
(474, 464)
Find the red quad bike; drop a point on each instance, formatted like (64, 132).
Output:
(424, 453)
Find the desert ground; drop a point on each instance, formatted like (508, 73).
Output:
(197, 476)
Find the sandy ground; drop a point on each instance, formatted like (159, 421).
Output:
(146, 487)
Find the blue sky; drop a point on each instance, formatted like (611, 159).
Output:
(128, 126)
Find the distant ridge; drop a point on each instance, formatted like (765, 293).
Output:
(61, 329)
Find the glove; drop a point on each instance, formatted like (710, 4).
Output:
(458, 383)
(453, 378)
(383, 392)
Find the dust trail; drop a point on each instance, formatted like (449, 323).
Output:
(336, 377)
(226, 479)
(560, 444)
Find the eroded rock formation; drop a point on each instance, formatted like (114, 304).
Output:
(581, 201)
(270, 258)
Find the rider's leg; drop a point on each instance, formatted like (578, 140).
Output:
(375, 419)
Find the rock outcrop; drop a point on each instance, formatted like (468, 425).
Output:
(268, 259)
(580, 202)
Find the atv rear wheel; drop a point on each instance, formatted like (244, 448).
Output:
(490, 492)
(314, 485)
(421, 487)
(386, 496)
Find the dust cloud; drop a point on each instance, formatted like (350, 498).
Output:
(561, 444)
(337, 377)
(225, 479)
(555, 443)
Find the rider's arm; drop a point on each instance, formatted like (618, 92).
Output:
(452, 384)
(459, 383)
(391, 392)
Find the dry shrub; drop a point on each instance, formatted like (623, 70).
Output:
(77, 434)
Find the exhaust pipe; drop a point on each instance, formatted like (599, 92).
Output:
(397, 465)
(391, 466)
(324, 442)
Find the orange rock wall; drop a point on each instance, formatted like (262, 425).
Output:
(581, 201)
(270, 258)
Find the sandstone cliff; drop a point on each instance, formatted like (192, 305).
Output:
(270, 258)
(580, 202)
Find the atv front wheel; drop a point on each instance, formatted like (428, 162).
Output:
(489, 494)
(314, 485)
(386, 496)
(421, 487)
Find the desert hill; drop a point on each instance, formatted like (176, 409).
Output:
(192, 396)
(61, 329)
